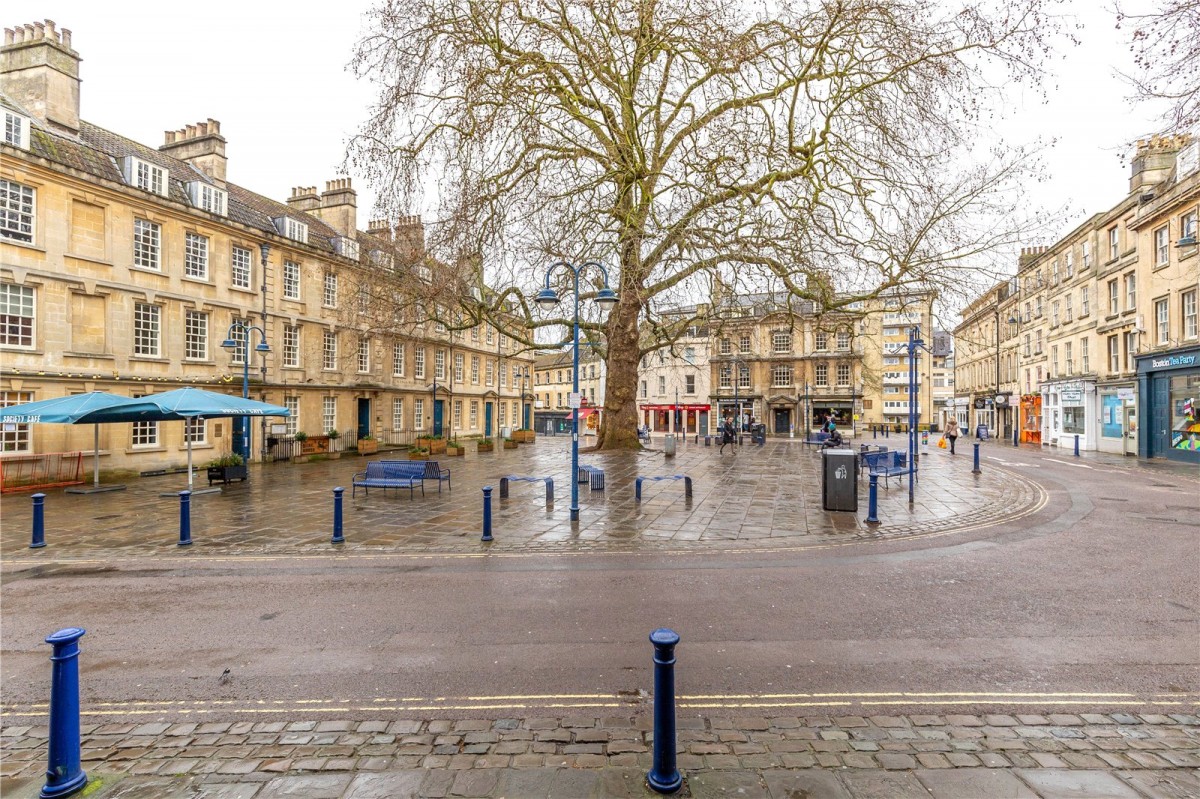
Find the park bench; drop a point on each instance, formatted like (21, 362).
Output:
(429, 471)
(819, 437)
(516, 478)
(593, 476)
(390, 474)
(886, 464)
(687, 484)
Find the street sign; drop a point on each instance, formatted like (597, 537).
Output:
(574, 400)
(1125, 394)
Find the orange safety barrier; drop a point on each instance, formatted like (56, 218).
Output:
(30, 472)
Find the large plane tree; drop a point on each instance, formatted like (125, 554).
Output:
(824, 151)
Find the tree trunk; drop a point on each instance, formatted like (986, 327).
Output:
(618, 426)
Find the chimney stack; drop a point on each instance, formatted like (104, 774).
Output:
(201, 145)
(339, 207)
(1154, 159)
(304, 198)
(40, 71)
(1029, 255)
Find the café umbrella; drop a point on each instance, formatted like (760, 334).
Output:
(86, 408)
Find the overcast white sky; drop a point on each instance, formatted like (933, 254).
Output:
(274, 74)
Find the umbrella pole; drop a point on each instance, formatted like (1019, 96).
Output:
(96, 455)
(189, 443)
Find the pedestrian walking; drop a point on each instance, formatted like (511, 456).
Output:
(951, 433)
(727, 433)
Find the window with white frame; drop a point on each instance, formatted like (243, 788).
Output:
(294, 229)
(1161, 321)
(1054, 314)
(1114, 355)
(1130, 291)
(459, 367)
(1084, 363)
(329, 293)
(689, 384)
(397, 413)
(1162, 246)
(1087, 258)
(147, 329)
(489, 372)
(146, 176)
(364, 355)
(329, 350)
(419, 364)
(293, 418)
(195, 431)
(1054, 271)
(143, 434)
(208, 198)
(516, 376)
(15, 437)
(475, 370)
(1028, 345)
(1187, 227)
(16, 211)
(195, 336)
(743, 377)
(16, 315)
(782, 341)
(328, 414)
(821, 341)
(1037, 307)
(744, 342)
(662, 385)
(291, 346)
(1114, 297)
(474, 414)
(1131, 348)
(490, 334)
(364, 298)
(195, 256)
(1085, 306)
(458, 413)
(503, 373)
(502, 409)
(16, 130)
(1188, 306)
(822, 374)
(1113, 245)
(843, 339)
(398, 359)
(239, 332)
(780, 376)
(240, 268)
(1068, 314)
(726, 346)
(147, 244)
(645, 390)
(439, 365)
(418, 414)
(1038, 341)
(291, 280)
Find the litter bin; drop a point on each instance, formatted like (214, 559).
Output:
(669, 446)
(839, 480)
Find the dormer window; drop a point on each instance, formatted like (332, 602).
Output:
(16, 130)
(144, 175)
(208, 198)
(382, 259)
(291, 228)
(346, 247)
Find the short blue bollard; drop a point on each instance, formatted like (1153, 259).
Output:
(1076, 445)
(874, 431)
(886, 432)
(487, 514)
(1016, 437)
(39, 521)
(338, 538)
(873, 501)
(185, 518)
(664, 777)
(976, 470)
(64, 772)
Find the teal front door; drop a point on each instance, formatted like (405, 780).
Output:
(487, 420)
(438, 410)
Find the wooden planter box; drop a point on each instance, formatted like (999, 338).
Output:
(413, 456)
(523, 436)
(367, 446)
(454, 452)
(510, 445)
(485, 447)
(226, 473)
(314, 445)
(436, 446)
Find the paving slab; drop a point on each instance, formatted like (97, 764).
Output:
(306, 786)
(1076, 784)
(1172, 784)
(386, 785)
(812, 782)
(875, 784)
(963, 782)
(742, 784)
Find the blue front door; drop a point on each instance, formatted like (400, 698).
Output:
(487, 420)
(528, 408)
(364, 417)
(437, 416)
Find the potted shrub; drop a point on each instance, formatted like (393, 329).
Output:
(523, 435)
(485, 445)
(510, 444)
(454, 448)
(226, 468)
(416, 453)
(368, 445)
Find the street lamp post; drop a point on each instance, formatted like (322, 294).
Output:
(241, 436)
(548, 298)
(737, 380)
(914, 343)
(1015, 414)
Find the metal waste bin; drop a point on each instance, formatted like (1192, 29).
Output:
(839, 479)
(669, 445)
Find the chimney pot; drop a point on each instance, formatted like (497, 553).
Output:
(40, 30)
(191, 131)
(66, 38)
(50, 29)
(28, 32)
(8, 36)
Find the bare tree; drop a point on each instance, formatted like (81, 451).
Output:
(827, 150)
(1166, 54)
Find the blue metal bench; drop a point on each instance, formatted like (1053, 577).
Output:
(429, 470)
(886, 464)
(593, 476)
(515, 478)
(390, 474)
(687, 484)
(816, 438)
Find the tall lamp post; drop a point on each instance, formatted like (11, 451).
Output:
(548, 298)
(914, 344)
(737, 381)
(241, 435)
(1015, 413)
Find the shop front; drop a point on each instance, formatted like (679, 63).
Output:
(1169, 388)
(1118, 419)
(689, 418)
(1031, 419)
(1070, 412)
(985, 417)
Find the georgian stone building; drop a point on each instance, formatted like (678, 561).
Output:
(553, 381)
(124, 267)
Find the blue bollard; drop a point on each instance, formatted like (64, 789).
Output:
(873, 501)
(1016, 437)
(64, 772)
(874, 431)
(185, 518)
(338, 538)
(664, 777)
(976, 469)
(39, 521)
(887, 432)
(1076, 445)
(487, 514)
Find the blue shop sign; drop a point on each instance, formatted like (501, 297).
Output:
(1154, 362)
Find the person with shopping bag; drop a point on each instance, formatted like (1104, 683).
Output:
(950, 435)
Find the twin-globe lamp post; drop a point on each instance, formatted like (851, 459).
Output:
(548, 298)
(241, 435)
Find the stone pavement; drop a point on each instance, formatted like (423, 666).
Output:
(1093, 755)
(750, 498)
